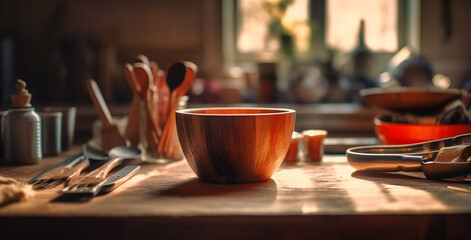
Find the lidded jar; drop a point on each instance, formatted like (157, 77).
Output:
(22, 129)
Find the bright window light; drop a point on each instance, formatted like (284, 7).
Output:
(381, 27)
(254, 20)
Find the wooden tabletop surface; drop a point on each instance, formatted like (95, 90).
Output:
(300, 199)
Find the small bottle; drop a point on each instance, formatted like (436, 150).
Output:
(22, 129)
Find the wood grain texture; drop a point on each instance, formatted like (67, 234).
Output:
(235, 145)
(331, 187)
(188, 76)
(145, 79)
(327, 200)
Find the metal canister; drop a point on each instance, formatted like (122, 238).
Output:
(51, 123)
(2, 134)
(22, 136)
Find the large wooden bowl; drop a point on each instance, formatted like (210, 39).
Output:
(235, 145)
(407, 99)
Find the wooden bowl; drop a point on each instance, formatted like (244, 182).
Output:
(235, 145)
(400, 133)
(407, 99)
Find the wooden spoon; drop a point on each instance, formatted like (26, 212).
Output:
(144, 78)
(132, 127)
(144, 59)
(154, 67)
(179, 82)
(149, 90)
(175, 77)
(159, 100)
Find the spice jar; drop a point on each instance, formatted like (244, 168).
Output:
(22, 129)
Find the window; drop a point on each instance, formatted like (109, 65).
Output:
(319, 35)
(314, 24)
(261, 23)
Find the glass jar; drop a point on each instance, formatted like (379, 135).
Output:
(154, 142)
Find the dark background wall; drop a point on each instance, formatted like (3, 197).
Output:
(59, 44)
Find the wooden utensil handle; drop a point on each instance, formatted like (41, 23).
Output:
(77, 169)
(171, 129)
(154, 67)
(131, 78)
(163, 145)
(55, 172)
(151, 107)
(102, 171)
(99, 102)
(163, 105)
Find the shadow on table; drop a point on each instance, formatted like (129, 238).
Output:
(197, 188)
(452, 193)
(71, 198)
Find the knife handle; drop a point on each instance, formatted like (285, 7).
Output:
(74, 173)
(102, 171)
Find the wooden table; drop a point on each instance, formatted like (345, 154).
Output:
(327, 200)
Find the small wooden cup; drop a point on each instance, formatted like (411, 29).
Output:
(314, 144)
(293, 151)
(235, 145)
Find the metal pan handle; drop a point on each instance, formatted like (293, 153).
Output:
(384, 162)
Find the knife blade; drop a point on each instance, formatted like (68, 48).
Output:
(68, 163)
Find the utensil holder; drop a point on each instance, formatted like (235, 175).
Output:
(154, 129)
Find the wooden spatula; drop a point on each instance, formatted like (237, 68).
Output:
(110, 135)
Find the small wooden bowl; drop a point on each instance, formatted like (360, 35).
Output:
(235, 145)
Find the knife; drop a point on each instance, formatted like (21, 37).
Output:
(68, 163)
(119, 178)
(108, 185)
